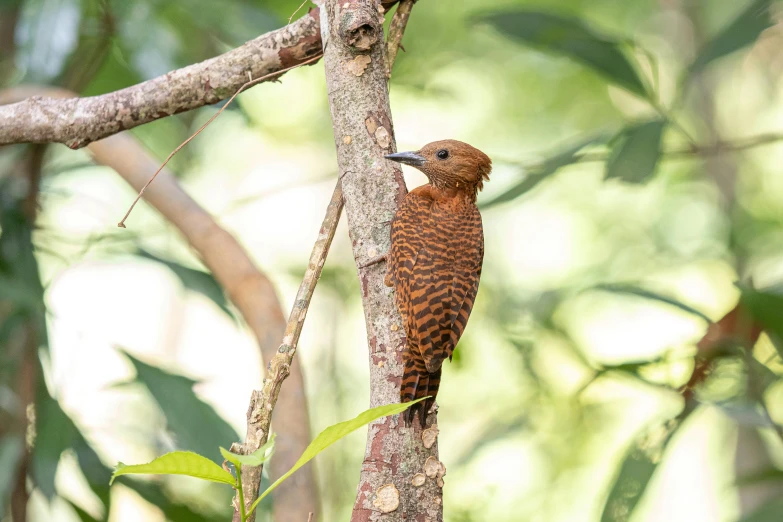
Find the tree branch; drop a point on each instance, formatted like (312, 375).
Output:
(355, 67)
(77, 122)
(263, 402)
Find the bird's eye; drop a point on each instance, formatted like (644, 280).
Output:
(443, 154)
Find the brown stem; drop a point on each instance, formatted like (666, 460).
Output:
(27, 344)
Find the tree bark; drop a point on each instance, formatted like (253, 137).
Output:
(355, 67)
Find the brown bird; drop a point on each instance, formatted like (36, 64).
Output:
(434, 265)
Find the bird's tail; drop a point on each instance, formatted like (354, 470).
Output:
(417, 382)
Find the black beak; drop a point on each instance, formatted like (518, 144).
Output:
(408, 158)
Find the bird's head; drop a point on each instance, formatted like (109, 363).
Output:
(449, 164)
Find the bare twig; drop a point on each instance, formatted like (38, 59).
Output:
(396, 31)
(262, 403)
(121, 224)
(297, 10)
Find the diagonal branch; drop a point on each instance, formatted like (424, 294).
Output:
(263, 402)
(76, 122)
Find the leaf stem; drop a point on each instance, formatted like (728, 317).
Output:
(240, 492)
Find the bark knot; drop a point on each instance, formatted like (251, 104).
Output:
(359, 28)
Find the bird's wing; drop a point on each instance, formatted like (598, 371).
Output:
(407, 241)
(445, 283)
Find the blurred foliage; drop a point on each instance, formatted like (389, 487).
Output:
(615, 129)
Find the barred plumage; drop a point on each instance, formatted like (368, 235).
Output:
(437, 248)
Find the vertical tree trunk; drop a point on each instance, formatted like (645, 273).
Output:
(355, 66)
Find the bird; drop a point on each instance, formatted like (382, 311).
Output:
(434, 263)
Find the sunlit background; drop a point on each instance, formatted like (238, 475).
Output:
(566, 386)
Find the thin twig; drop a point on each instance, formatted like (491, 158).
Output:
(297, 10)
(396, 31)
(121, 224)
(310, 517)
(317, 259)
(263, 403)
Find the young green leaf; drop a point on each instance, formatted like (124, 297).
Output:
(178, 463)
(334, 433)
(741, 32)
(256, 458)
(571, 37)
(636, 153)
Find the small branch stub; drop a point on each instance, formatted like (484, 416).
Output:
(387, 498)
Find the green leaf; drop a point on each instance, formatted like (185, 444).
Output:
(55, 432)
(637, 469)
(82, 514)
(334, 433)
(766, 307)
(767, 475)
(741, 32)
(769, 512)
(11, 451)
(571, 37)
(195, 280)
(636, 153)
(627, 289)
(178, 463)
(256, 458)
(195, 425)
(548, 167)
